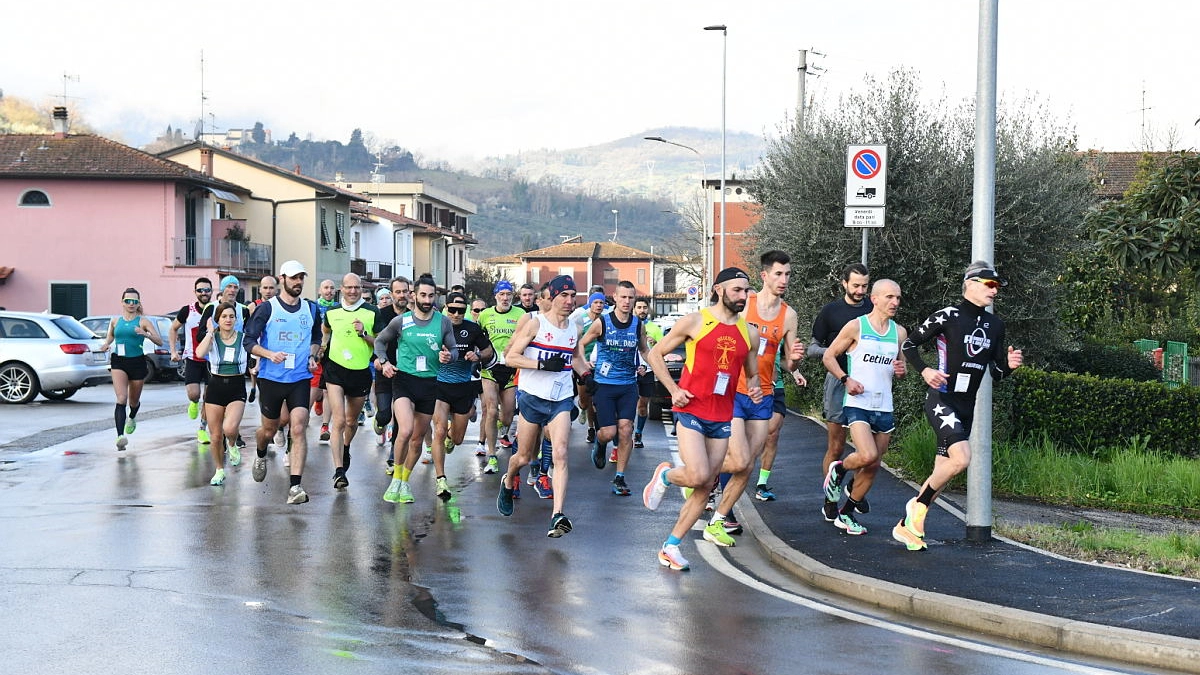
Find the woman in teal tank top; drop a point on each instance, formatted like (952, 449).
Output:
(128, 363)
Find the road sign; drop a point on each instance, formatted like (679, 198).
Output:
(866, 175)
(864, 216)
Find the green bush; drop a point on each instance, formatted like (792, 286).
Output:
(1086, 413)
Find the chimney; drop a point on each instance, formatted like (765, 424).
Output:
(60, 121)
(206, 161)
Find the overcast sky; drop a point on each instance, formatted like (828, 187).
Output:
(459, 78)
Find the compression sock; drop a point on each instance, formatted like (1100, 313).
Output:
(641, 423)
(119, 418)
(927, 495)
(763, 476)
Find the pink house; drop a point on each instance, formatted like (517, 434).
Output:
(83, 217)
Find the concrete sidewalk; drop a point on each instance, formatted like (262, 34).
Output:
(997, 587)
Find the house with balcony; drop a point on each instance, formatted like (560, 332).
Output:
(83, 217)
(298, 217)
(431, 232)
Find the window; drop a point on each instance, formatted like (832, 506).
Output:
(641, 276)
(339, 220)
(35, 198)
(324, 229)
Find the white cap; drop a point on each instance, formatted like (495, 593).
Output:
(292, 268)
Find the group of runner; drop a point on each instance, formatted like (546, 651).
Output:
(534, 357)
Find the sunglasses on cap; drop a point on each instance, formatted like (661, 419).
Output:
(990, 283)
(456, 309)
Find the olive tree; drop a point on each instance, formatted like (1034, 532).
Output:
(1042, 191)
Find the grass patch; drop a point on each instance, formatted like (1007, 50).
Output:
(1173, 553)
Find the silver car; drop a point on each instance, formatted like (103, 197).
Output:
(48, 354)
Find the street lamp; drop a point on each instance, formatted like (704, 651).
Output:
(724, 45)
(707, 234)
(614, 232)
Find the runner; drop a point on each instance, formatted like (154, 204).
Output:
(776, 326)
(285, 333)
(456, 387)
(129, 331)
(829, 322)
(423, 340)
(546, 351)
(718, 343)
(871, 344)
(620, 343)
(646, 381)
(970, 342)
(225, 398)
(195, 371)
(499, 389)
(348, 342)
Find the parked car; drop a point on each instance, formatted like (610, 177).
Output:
(48, 354)
(662, 399)
(158, 359)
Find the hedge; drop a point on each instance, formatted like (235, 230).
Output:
(1089, 413)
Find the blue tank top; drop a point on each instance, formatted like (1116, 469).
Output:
(617, 351)
(128, 343)
(291, 333)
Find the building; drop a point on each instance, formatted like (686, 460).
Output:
(83, 217)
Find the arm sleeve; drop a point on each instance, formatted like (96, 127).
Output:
(924, 333)
(389, 335)
(256, 325)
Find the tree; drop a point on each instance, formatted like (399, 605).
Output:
(1042, 191)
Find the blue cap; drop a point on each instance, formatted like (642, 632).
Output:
(229, 280)
(503, 285)
(596, 296)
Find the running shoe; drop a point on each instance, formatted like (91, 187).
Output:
(653, 493)
(443, 489)
(833, 484)
(612, 455)
(560, 524)
(480, 450)
(846, 521)
(392, 494)
(637, 441)
(239, 441)
(829, 511)
(504, 500)
(732, 526)
(324, 432)
(260, 469)
(493, 465)
(715, 532)
(901, 534)
(619, 488)
(193, 409)
(597, 453)
(319, 408)
(122, 442)
(914, 517)
(218, 478)
(130, 426)
(426, 455)
(297, 495)
(543, 488)
(764, 494)
(339, 479)
(406, 495)
(202, 436)
(669, 556)
(234, 454)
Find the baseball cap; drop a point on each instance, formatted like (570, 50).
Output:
(292, 268)
(229, 280)
(560, 284)
(982, 269)
(730, 273)
(594, 297)
(502, 285)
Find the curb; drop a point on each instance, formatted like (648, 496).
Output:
(1078, 637)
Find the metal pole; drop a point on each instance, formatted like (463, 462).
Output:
(979, 475)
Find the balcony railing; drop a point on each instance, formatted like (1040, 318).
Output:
(224, 254)
(371, 270)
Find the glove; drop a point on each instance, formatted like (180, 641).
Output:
(589, 383)
(554, 364)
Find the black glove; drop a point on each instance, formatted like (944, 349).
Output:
(589, 383)
(554, 364)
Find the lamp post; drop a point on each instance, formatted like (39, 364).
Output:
(724, 45)
(707, 233)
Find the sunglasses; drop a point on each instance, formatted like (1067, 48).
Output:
(990, 283)
(204, 290)
(131, 301)
(456, 310)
